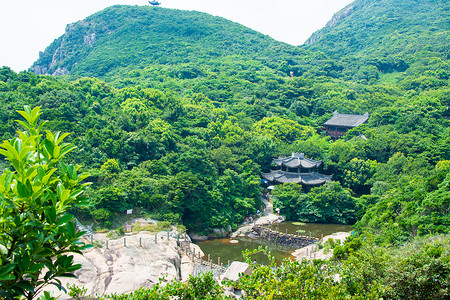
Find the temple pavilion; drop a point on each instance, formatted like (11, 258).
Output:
(339, 124)
(297, 169)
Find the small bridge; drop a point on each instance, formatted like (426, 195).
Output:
(284, 239)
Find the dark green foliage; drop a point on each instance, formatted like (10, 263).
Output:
(190, 108)
(329, 203)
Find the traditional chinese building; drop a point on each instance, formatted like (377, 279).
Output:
(297, 169)
(339, 124)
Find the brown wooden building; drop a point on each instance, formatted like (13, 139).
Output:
(339, 124)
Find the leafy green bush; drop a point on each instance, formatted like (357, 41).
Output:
(37, 189)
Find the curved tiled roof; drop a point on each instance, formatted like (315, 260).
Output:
(304, 178)
(346, 120)
(297, 160)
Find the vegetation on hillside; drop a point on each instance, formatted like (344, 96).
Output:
(178, 123)
(189, 147)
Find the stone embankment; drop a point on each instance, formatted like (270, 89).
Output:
(283, 239)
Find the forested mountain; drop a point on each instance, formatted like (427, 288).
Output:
(386, 36)
(176, 114)
(135, 37)
(385, 27)
(184, 110)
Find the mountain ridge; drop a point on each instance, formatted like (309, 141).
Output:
(183, 32)
(399, 26)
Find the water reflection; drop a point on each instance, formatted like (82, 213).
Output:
(227, 251)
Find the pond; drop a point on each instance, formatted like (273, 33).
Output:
(233, 252)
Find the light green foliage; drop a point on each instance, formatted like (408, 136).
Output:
(358, 172)
(422, 271)
(417, 207)
(111, 167)
(282, 129)
(37, 189)
(200, 287)
(291, 280)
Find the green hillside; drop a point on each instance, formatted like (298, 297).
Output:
(168, 120)
(384, 28)
(372, 38)
(176, 114)
(139, 36)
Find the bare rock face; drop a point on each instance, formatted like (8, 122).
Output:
(128, 265)
(236, 268)
(89, 39)
(60, 72)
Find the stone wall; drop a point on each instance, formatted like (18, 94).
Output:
(282, 238)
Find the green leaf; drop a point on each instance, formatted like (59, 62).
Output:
(47, 177)
(7, 181)
(59, 190)
(72, 172)
(25, 285)
(64, 219)
(49, 147)
(56, 151)
(67, 149)
(36, 268)
(26, 116)
(22, 190)
(7, 277)
(28, 127)
(12, 152)
(5, 153)
(35, 113)
(6, 269)
(61, 138)
(71, 229)
(3, 250)
(50, 215)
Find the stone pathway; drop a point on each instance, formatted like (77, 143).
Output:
(268, 217)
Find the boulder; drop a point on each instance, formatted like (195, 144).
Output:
(197, 237)
(125, 267)
(235, 269)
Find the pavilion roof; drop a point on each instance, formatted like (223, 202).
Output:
(297, 160)
(346, 120)
(312, 178)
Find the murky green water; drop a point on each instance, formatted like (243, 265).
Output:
(233, 252)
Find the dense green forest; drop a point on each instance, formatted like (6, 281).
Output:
(176, 114)
(180, 125)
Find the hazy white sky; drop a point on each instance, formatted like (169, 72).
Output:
(29, 26)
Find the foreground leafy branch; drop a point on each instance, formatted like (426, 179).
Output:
(36, 192)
